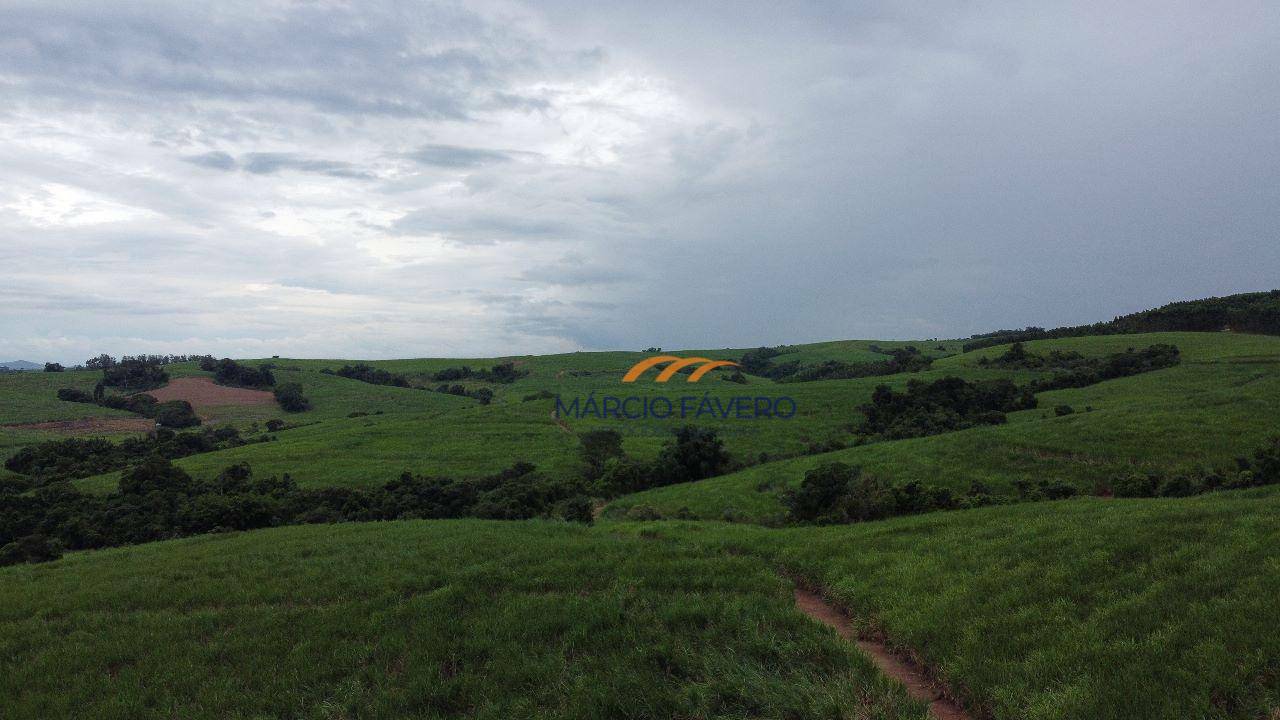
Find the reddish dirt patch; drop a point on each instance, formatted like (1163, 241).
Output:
(202, 393)
(918, 685)
(91, 425)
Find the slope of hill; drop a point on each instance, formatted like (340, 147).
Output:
(421, 619)
(1090, 608)
(1221, 401)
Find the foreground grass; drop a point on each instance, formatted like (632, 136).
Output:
(424, 620)
(1090, 608)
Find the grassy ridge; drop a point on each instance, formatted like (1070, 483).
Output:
(1220, 402)
(1223, 400)
(421, 619)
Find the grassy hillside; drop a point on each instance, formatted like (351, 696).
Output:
(1222, 400)
(1085, 608)
(1219, 402)
(421, 619)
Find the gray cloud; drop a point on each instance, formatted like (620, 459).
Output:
(526, 175)
(452, 156)
(214, 160)
(268, 163)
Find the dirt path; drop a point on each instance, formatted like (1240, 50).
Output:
(918, 685)
(89, 425)
(561, 423)
(203, 393)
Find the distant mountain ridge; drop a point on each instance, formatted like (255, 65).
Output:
(21, 365)
(1257, 312)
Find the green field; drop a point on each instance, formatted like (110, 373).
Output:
(421, 619)
(1075, 609)
(1083, 608)
(1221, 401)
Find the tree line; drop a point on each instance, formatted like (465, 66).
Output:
(1247, 312)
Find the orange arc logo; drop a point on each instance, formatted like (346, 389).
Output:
(676, 365)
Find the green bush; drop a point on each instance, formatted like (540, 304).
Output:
(290, 397)
(643, 513)
(74, 395)
(176, 414)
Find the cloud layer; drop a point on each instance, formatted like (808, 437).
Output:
(398, 179)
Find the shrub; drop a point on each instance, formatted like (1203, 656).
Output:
(74, 395)
(133, 374)
(578, 509)
(275, 425)
(1135, 485)
(643, 513)
(230, 372)
(950, 403)
(139, 403)
(373, 376)
(1063, 410)
(621, 475)
(820, 493)
(53, 367)
(597, 447)
(290, 397)
(30, 549)
(176, 414)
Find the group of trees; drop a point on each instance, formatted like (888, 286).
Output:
(157, 500)
(1075, 370)
(369, 374)
(229, 372)
(899, 360)
(41, 514)
(104, 361)
(1261, 468)
(835, 493)
(692, 453)
(132, 374)
(502, 373)
(951, 403)
(484, 395)
(1247, 312)
(1117, 365)
(172, 414)
(57, 460)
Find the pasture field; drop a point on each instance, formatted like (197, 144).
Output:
(1091, 607)
(1219, 402)
(424, 620)
(1223, 399)
(1086, 608)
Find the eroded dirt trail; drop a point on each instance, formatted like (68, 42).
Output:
(918, 685)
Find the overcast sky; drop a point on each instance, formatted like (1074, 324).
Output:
(370, 180)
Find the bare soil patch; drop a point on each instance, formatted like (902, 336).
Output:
(919, 685)
(90, 425)
(203, 392)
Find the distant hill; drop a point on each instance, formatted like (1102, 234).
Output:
(1247, 312)
(21, 365)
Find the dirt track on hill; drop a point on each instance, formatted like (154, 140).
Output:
(918, 685)
(202, 392)
(86, 426)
